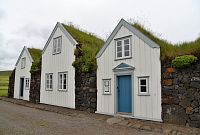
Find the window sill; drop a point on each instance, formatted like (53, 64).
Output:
(62, 90)
(49, 90)
(106, 93)
(56, 53)
(116, 59)
(143, 94)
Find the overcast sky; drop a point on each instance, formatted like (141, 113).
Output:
(30, 22)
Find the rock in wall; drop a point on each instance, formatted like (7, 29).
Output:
(181, 94)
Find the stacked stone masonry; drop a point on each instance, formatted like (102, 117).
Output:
(181, 95)
(34, 95)
(11, 84)
(85, 91)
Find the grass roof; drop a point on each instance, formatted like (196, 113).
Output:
(89, 47)
(35, 54)
(169, 50)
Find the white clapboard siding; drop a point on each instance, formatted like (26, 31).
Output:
(146, 61)
(58, 63)
(22, 73)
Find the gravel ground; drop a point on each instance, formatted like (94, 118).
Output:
(21, 120)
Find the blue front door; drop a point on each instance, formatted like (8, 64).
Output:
(124, 94)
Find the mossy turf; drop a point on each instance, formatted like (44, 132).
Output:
(89, 47)
(36, 55)
(169, 50)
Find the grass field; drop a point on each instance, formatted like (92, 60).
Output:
(4, 79)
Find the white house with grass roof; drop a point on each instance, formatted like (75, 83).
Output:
(58, 74)
(22, 72)
(129, 75)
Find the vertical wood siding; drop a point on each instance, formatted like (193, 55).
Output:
(146, 61)
(58, 63)
(25, 72)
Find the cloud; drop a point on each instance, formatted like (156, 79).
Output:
(29, 30)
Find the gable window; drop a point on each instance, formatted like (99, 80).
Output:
(143, 85)
(27, 83)
(57, 43)
(123, 48)
(23, 62)
(62, 81)
(49, 81)
(106, 86)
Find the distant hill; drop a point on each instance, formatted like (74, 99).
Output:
(4, 80)
(5, 73)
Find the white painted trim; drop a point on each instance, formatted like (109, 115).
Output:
(139, 34)
(72, 40)
(24, 49)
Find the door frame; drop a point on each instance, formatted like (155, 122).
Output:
(122, 73)
(21, 97)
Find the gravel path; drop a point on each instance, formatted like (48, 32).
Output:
(21, 120)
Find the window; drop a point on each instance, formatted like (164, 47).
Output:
(49, 81)
(106, 86)
(143, 86)
(62, 81)
(23, 62)
(57, 42)
(123, 48)
(27, 83)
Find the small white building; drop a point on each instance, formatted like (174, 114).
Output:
(129, 75)
(58, 74)
(23, 75)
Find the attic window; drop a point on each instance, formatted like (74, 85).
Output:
(23, 63)
(57, 42)
(123, 46)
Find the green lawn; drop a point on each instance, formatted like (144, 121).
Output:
(4, 80)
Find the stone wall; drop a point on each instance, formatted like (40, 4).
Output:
(34, 95)
(181, 95)
(85, 91)
(11, 85)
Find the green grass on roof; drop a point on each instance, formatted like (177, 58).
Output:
(35, 54)
(169, 50)
(90, 45)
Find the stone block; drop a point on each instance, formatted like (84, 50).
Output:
(168, 82)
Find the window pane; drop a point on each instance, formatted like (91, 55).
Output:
(126, 41)
(60, 81)
(126, 53)
(50, 77)
(119, 54)
(143, 88)
(119, 49)
(106, 89)
(126, 47)
(106, 83)
(119, 43)
(143, 82)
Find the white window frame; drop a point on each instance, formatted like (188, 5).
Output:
(23, 62)
(61, 82)
(48, 80)
(140, 85)
(27, 83)
(122, 40)
(57, 45)
(106, 89)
